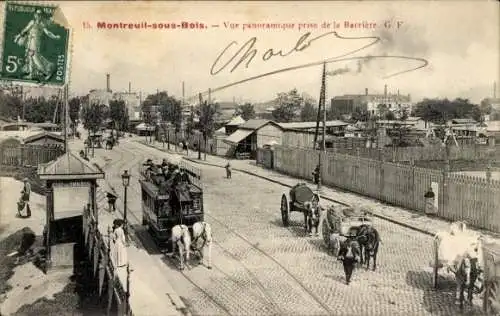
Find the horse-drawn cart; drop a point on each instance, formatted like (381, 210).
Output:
(340, 223)
(300, 195)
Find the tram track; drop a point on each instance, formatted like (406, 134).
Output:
(317, 299)
(303, 287)
(266, 298)
(138, 221)
(201, 289)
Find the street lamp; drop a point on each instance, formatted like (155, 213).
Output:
(125, 182)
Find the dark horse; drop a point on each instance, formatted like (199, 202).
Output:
(369, 240)
(466, 274)
(349, 254)
(311, 217)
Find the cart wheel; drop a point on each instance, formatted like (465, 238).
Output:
(285, 213)
(325, 231)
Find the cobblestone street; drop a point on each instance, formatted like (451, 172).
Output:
(261, 267)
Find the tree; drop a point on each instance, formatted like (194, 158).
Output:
(404, 114)
(207, 122)
(171, 111)
(74, 106)
(288, 104)
(440, 110)
(485, 106)
(246, 111)
(10, 105)
(360, 115)
(94, 116)
(308, 113)
(382, 110)
(118, 113)
(390, 116)
(39, 110)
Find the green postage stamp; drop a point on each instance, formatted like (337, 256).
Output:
(35, 46)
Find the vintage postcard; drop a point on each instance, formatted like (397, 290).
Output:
(249, 158)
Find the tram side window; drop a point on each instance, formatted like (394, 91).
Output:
(144, 196)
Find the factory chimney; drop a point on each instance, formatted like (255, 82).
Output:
(366, 91)
(494, 90)
(108, 88)
(385, 91)
(129, 87)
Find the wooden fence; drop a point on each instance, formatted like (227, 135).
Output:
(28, 155)
(306, 140)
(428, 153)
(100, 254)
(472, 199)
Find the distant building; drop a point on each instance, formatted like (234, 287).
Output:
(349, 103)
(100, 96)
(132, 102)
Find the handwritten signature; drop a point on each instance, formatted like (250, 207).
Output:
(247, 53)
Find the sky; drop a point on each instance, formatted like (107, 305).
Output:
(459, 41)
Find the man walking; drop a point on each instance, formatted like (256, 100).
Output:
(25, 196)
(349, 254)
(111, 201)
(228, 170)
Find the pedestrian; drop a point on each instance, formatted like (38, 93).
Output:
(429, 201)
(111, 201)
(228, 170)
(25, 196)
(120, 243)
(349, 254)
(315, 174)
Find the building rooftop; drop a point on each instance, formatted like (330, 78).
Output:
(463, 121)
(236, 121)
(255, 124)
(69, 167)
(307, 125)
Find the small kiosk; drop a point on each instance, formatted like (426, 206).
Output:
(70, 187)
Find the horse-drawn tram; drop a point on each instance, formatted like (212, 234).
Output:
(171, 195)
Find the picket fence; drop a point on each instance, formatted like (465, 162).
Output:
(460, 197)
(28, 155)
(427, 153)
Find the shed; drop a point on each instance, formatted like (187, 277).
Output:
(254, 134)
(44, 138)
(71, 186)
(232, 126)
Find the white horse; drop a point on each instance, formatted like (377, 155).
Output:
(202, 238)
(460, 250)
(181, 239)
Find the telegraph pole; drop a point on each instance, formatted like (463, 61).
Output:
(322, 106)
